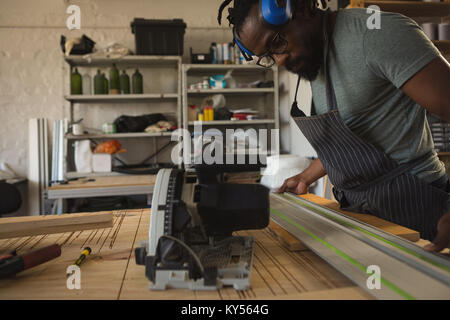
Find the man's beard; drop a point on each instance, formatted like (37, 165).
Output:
(312, 62)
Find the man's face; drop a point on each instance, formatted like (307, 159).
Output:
(304, 52)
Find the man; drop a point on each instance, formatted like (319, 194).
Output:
(370, 99)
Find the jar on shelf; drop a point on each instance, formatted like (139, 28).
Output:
(137, 80)
(192, 113)
(75, 82)
(124, 83)
(114, 83)
(99, 85)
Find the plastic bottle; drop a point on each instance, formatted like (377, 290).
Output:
(226, 53)
(219, 54)
(75, 82)
(232, 54)
(137, 82)
(192, 113)
(99, 86)
(87, 84)
(214, 52)
(124, 83)
(211, 115)
(114, 83)
(237, 54)
(105, 84)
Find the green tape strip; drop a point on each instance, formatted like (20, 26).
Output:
(343, 255)
(415, 254)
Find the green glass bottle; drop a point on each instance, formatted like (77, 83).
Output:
(137, 80)
(105, 84)
(75, 82)
(99, 85)
(124, 83)
(114, 83)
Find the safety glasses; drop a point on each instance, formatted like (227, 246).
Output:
(277, 45)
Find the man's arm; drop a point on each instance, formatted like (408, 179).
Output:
(430, 88)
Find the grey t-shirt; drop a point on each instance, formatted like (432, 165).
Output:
(367, 68)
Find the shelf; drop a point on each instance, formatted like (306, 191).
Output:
(118, 135)
(74, 174)
(231, 122)
(408, 8)
(225, 67)
(222, 68)
(232, 91)
(108, 98)
(443, 46)
(128, 61)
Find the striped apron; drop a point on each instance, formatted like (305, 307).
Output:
(365, 179)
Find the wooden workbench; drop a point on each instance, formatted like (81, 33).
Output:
(110, 272)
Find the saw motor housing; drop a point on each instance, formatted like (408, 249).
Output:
(193, 218)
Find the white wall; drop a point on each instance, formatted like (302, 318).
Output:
(31, 64)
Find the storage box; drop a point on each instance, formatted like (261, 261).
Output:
(101, 162)
(200, 57)
(158, 37)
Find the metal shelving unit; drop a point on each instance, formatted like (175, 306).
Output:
(266, 100)
(84, 102)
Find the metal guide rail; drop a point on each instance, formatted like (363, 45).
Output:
(386, 266)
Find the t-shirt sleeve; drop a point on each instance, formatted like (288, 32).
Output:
(398, 49)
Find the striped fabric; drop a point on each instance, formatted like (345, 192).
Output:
(365, 179)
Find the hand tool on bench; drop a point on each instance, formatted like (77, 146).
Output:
(12, 264)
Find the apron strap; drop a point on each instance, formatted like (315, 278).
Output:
(295, 111)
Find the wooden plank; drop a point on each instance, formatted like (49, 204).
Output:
(31, 226)
(108, 181)
(286, 239)
(384, 225)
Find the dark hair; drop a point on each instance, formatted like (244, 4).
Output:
(241, 8)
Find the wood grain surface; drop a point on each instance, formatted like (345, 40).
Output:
(110, 272)
(108, 181)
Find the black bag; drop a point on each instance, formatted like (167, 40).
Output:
(137, 123)
(84, 47)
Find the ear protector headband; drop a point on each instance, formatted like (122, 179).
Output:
(273, 13)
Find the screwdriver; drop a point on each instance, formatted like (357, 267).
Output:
(86, 251)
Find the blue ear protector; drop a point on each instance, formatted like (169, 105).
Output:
(274, 13)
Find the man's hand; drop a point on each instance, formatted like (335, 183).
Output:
(296, 184)
(299, 184)
(442, 239)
